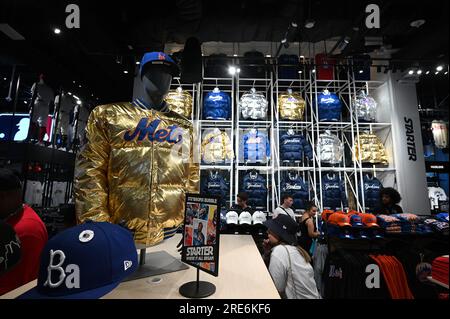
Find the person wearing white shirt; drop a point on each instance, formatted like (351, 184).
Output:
(285, 208)
(289, 264)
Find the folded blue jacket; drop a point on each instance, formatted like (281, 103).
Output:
(254, 185)
(296, 187)
(293, 147)
(217, 106)
(330, 107)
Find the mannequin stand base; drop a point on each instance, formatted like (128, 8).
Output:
(157, 263)
(197, 289)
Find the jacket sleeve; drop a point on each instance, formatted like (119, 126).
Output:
(228, 147)
(194, 170)
(91, 186)
(267, 146)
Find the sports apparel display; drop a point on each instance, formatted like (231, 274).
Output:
(325, 67)
(232, 218)
(131, 170)
(329, 106)
(329, 148)
(439, 270)
(293, 147)
(291, 106)
(245, 218)
(440, 134)
(216, 185)
(65, 106)
(255, 146)
(91, 260)
(58, 193)
(216, 146)
(365, 107)
(288, 66)
(33, 193)
(44, 95)
(333, 192)
(254, 185)
(372, 189)
(253, 105)
(371, 150)
(259, 217)
(436, 194)
(217, 105)
(180, 102)
(294, 185)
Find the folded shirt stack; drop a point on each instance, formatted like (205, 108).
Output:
(408, 222)
(439, 270)
(391, 224)
(437, 226)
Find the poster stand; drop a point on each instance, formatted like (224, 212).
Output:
(197, 289)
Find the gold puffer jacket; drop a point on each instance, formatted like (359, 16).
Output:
(371, 148)
(180, 102)
(216, 146)
(129, 173)
(291, 106)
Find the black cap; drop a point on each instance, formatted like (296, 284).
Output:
(9, 180)
(284, 227)
(9, 247)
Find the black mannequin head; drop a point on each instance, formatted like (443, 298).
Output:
(156, 81)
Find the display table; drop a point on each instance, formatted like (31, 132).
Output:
(242, 275)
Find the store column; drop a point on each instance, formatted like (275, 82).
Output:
(407, 142)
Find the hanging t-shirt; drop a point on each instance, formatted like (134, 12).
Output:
(33, 193)
(436, 194)
(440, 133)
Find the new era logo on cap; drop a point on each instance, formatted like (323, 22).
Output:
(232, 217)
(85, 262)
(245, 218)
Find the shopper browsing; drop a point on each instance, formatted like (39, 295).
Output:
(241, 203)
(389, 199)
(29, 228)
(289, 265)
(285, 208)
(308, 229)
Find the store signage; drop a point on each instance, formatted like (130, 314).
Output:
(437, 167)
(201, 233)
(15, 128)
(411, 140)
(373, 19)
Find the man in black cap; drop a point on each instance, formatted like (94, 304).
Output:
(29, 228)
(289, 265)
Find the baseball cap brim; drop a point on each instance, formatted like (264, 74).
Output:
(358, 225)
(279, 231)
(344, 225)
(370, 225)
(88, 294)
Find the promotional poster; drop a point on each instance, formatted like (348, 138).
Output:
(201, 233)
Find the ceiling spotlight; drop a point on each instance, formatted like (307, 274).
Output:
(25, 102)
(361, 71)
(309, 24)
(79, 86)
(417, 23)
(138, 63)
(428, 72)
(300, 72)
(232, 70)
(268, 55)
(284, 40)
(436, 73)
(79, 102)
(73, 82)
(439, 68)
(125, 71)
(302, 57)
(411, 72)
(56, 31)
(419, 72)
(234, 54)
(446, 72)
(314, 71)
(69, 93)
(294, 25)
(4, 79)
(238, 70)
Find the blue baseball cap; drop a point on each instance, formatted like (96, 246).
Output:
(159, 58)
(356, 221)
(85, 262)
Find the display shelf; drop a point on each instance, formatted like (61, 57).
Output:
(294, 125)
(294, 168)
(257, 168)
(334, 126)
(216, 167)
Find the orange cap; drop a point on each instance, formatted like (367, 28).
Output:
(326, 214)
(369, 220)
(342, 220)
